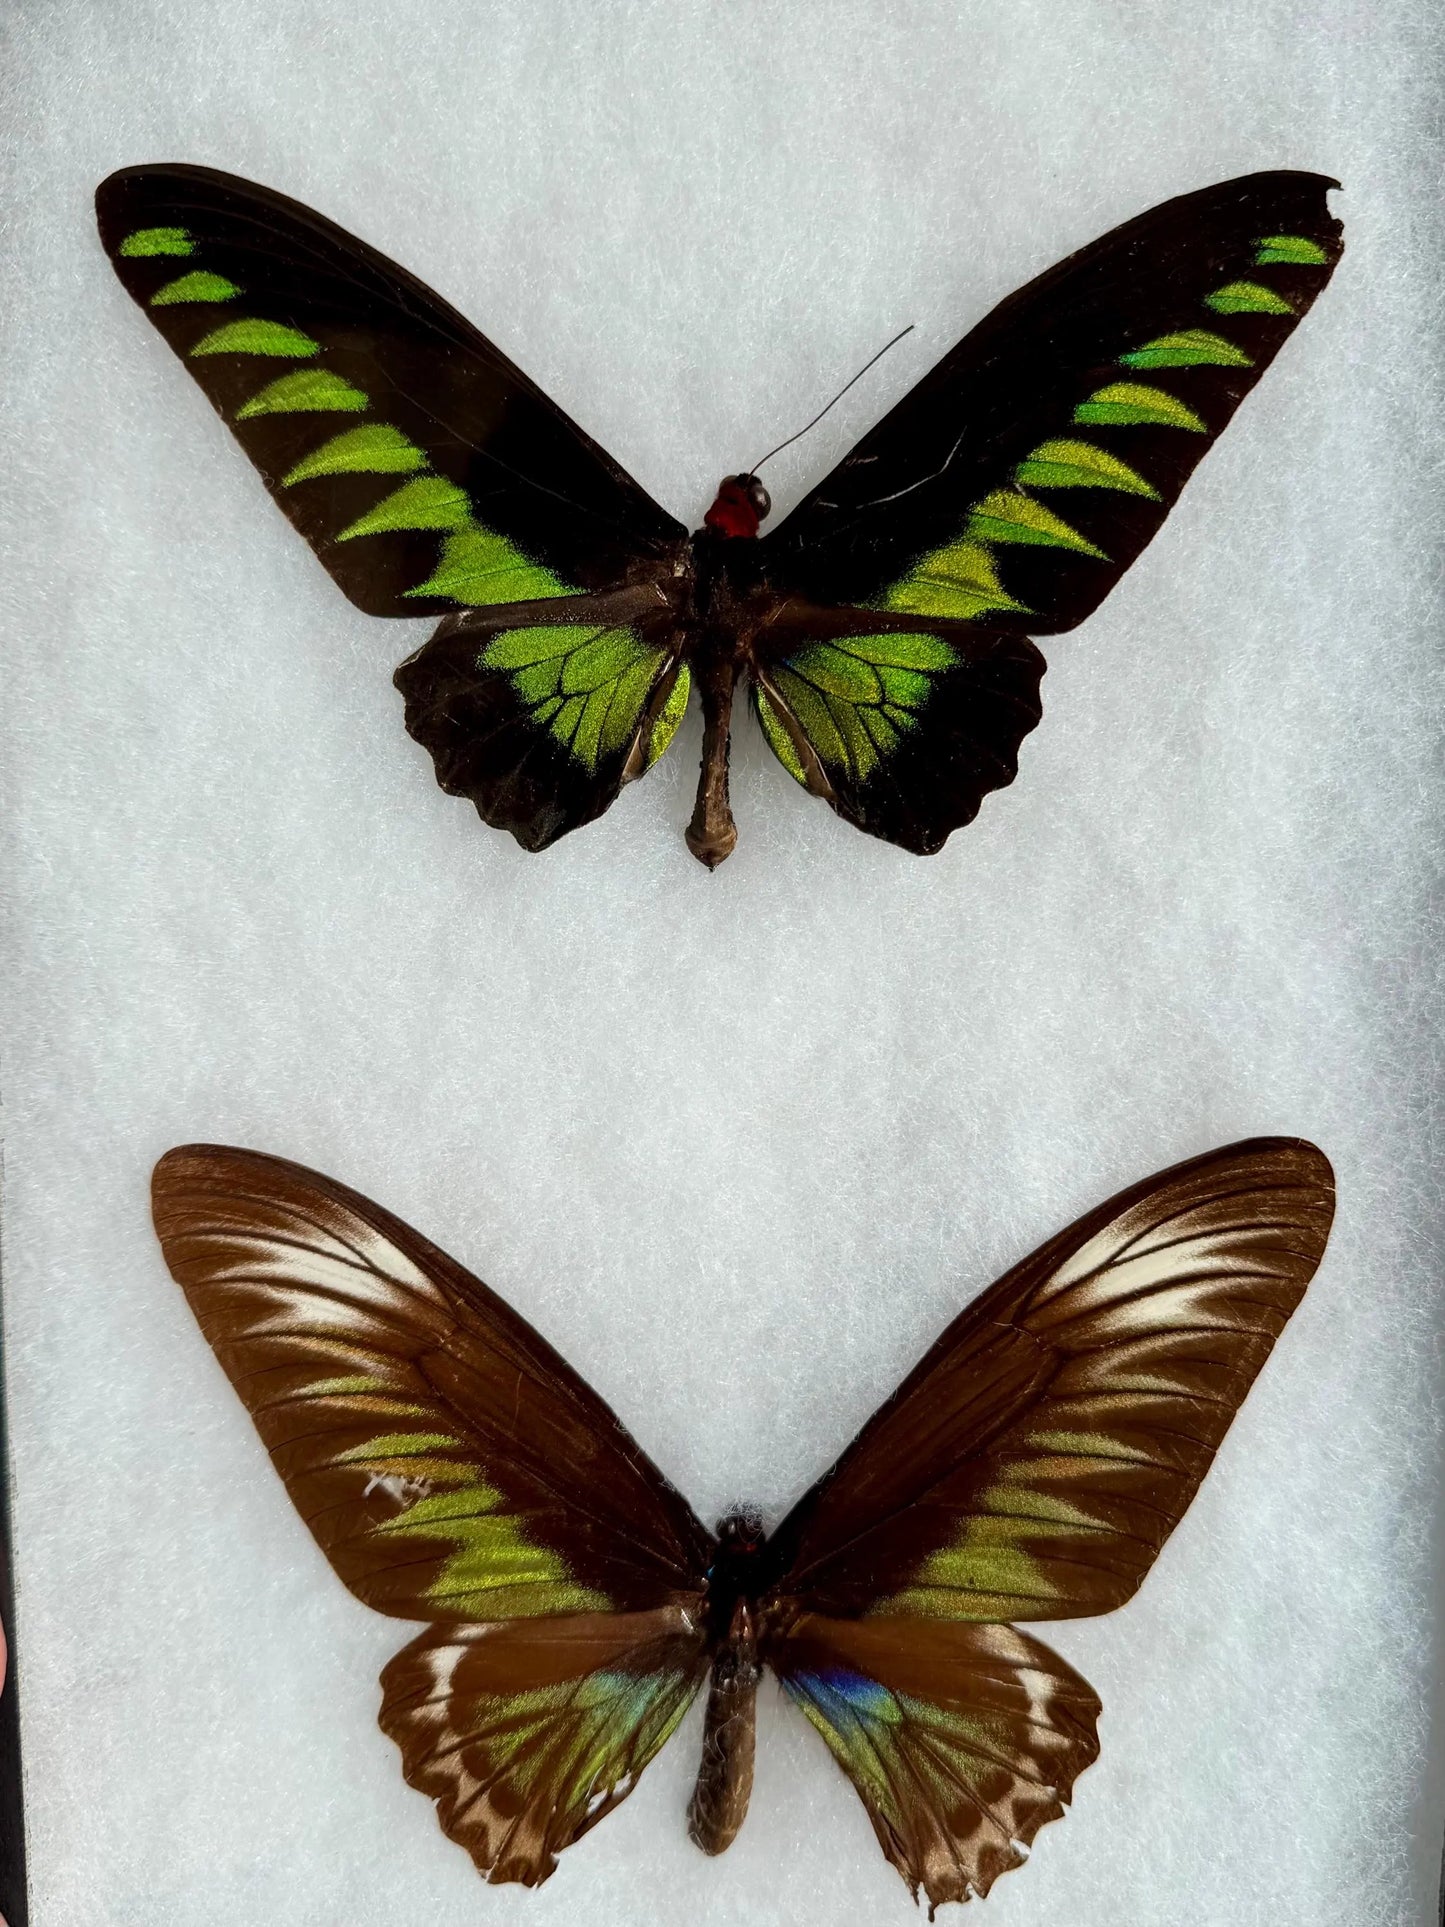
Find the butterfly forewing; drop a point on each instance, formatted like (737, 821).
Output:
(426, 471)
(450, 1464)
(1034, 1463)
(1024, 474)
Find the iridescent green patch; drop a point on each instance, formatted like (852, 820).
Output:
(854, 698)
(1009, 516)
(573, 1743)
(1075, 464)
(1189, 348)
(156, 240)
(394, 1446)
(377, 449)
(254, 337)
(1247, 297)
(779, 741)
(431, 502)
(669, 717)
(1296, 248)
(1089, 1445)
(588, 686)
(956, 582)
(1129, 404)
(493, 1571)
(478, 567)
(358, 1383)
(198, 286)
(310, 391)
(986, 1578)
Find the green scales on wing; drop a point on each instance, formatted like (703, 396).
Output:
(491, 1568)
(472, 563)
(588, 687)
(885, 625)
(854, 698)
(1008, 492)
(964, 580)
(371, 464)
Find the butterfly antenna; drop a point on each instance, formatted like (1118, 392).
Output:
(837, 398)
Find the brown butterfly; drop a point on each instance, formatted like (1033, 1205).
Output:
(455, 1470)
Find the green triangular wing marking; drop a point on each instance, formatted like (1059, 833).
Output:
(253, 337)
(377, 449)
(1247, 297)
(1130, 404)
(587, 686)
(957, 581)
(432, 502)
(1294, 249)
(156, 240)
(310, 391)
(1189, 348)
(853, 698)
(1008, 515)
(477, 566)
(199, 286)
(1074, 464)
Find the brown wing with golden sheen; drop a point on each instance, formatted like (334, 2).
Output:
(1031, 1467)
(449, 1463)
(1036, 1460)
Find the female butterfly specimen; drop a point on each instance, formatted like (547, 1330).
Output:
(455, 1470)
(883, 628)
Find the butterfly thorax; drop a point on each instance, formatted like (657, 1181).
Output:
(725, 1776)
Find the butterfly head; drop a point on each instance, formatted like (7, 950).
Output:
(742, 503)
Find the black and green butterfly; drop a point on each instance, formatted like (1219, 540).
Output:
(883, 627)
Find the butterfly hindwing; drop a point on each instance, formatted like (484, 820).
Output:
(426, 471)
(961, 1740)
(903, 731)
(541, 725)
(528, 1734)
(1024, 474)
(1036, 1460)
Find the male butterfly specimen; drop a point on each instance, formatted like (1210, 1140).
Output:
(883, 628)
(455, 1470)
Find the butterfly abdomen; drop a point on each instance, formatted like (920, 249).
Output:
(735, 1580)
(725, 1777)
